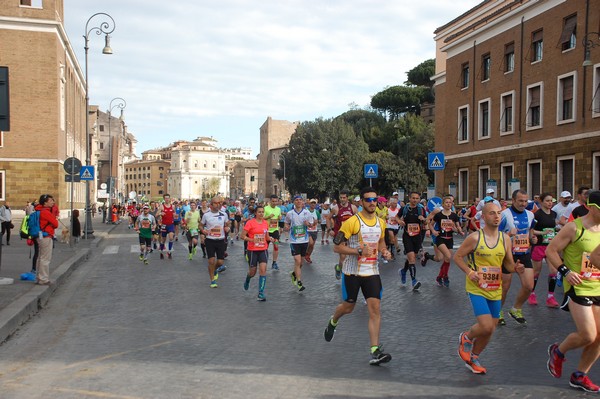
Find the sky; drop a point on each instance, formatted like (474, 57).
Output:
(219, 68)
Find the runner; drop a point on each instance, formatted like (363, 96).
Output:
(576, 241)
(562, 209)
(339, 214)
(488, 251)
(297, 222)
(272, 214)
(325, 222)
(145, 224)
(232, 210)
(256, 234)
(177, 218)
(214, 225)
(518, 223)
(442, 228)
(392, 220)
(166, 215)
(313, 232)
(360, 239)
(545, 229)
(579, 208)
(413, 215)
(203, 209)
(192, 225)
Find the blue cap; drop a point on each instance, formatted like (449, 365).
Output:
(297, 197)
(488, 199)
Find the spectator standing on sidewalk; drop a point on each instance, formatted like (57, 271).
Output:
(6, 219)
(48, 223)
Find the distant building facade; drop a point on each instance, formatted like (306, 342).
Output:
(244, 179)
(515, 107)
(147, 178)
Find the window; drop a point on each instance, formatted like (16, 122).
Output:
(101, 145)
(535, 106)
(568, 38)
(484, 176)
(565, 105)
(565, 174)
(463, 185)
(534, 177)
(161, 168)
(596, 94)
(161, 176)
(537, 46)
(486, 66)
(2, 185)
(484, 119)
(465, 76)
(506, 174)
(507, 113)
(596, 171)
(463, 124)
(31, 3)
(509, 57)
(101, 128)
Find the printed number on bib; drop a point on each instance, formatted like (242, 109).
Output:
(588, 270)
(215, 232)
(145, 224)
(548, 235)
(272, 223)
(489, 277)
(447, 225)
(521, 243)
(413, 229)
(259, 240)
(299, 231)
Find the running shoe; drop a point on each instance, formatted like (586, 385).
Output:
(501, 321)
(194, 250)
(162, 256)
(517, 314)
(222, 268)
(301, 286)
(384, 260)
(465, 346)
(247, 283)
(379, 357)
(261, 297)
(169, 255)
(474, 365)
(551, 302)
(213, 284)
(216, 275)
(190, 256)
(338, 272)
(145, 261)
(275, 266)
(532, 300)
(329, 330)
(439, 281)
(446, 282)
(416, 285)
(322, 242)
(403, 276)
(327, 242)
(425, 258)
(204, 256)
(294, 280)
(154, 245)
(555, 361)
(582, 381)
(141, 257)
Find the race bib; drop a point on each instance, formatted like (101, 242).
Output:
(193, 232)
(413, 229)
(145, 224)
(231, 215)
(215, 232)
(272, 223)
(521, 243)
(548, 235)
(299, 231)
(447, 225)
(588, 270)
(260, 241)
(371, 260)
(489, 277)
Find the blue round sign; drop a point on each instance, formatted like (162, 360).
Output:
(434, 202)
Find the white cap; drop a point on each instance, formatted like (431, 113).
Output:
(357, 198)
(489, 191)
(326, 202)
(395, 193)
(565, 194)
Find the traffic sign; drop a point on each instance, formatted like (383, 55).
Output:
(436, 161)
(434, 202)
(371, 171)
(72, 166)
(87, 172)
(72, 178)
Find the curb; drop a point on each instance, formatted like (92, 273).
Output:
(26, 306)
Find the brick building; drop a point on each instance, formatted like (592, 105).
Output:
(515, 107)
(47, 104)
(147, 177)
(244, 178)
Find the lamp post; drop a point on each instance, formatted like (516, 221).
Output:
(282, 158)
(589, 43)
(107, 28)
(120, 104)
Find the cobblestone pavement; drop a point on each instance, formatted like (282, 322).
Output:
(119, 329)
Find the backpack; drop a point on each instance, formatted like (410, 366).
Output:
(33, 223)
(24, 229)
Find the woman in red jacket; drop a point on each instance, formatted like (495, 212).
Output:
(48, 222)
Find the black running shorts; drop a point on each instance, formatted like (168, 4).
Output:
(370, 285)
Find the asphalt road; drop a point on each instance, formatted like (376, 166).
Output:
(120, 329)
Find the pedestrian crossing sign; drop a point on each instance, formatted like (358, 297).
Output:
(87, 172)
(436, 161)
(371, 171)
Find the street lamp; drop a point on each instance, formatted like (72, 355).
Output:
(589, 43)
(282, 158)
(120, 104)
(107, 28)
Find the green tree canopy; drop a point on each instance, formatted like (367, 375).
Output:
(421, 74)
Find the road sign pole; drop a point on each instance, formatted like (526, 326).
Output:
(371, 182)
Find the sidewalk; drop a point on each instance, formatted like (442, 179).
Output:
(23, 299)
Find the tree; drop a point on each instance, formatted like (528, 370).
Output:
(395, 172)
(323, 157)
(421, 74)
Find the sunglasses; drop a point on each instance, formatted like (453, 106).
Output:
(370, 199)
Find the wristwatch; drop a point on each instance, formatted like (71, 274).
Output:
(359, 251)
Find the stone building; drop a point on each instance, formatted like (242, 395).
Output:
(274, 138)
(147, 178)
(47, 104)
(515, 107)
(244, 179)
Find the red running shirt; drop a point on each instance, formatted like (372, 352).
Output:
(260, 231)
